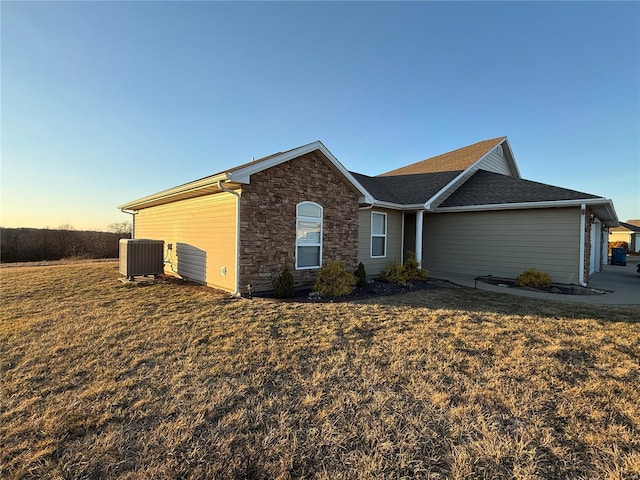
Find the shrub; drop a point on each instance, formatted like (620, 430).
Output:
(284, 284)
(361, 276)
(401, 274)
(393, 273)
(534, 278)
(412, 268)
(334, 280)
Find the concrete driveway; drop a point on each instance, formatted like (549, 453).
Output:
(622, 282)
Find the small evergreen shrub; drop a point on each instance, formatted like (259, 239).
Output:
(412, 268)
(393, 273)
(361, 276)
(284, 284)
(401, 274)
(533, 278)
(334, 280)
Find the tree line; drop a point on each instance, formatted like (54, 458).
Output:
(37, 244)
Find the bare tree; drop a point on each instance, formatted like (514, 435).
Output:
(123, 229)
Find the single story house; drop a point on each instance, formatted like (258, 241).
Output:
(629, 232)
(466, 211)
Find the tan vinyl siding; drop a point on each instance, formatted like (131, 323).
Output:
(504, 243)
(203, 234)
(633, 240)
(619, 236)
(374, 266)
(495, 162)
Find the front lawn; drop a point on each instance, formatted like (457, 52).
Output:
(172, 380)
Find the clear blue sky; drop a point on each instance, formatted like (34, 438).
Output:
(106, 102)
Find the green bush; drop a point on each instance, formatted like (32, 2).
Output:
(284, 284)
(534, 278)
(401, 274)
(361, 276)
(334, 280)
(412, 268)
(394, 273)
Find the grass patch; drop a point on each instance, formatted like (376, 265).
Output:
(170, 380)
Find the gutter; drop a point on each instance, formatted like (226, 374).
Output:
(187, 188)
(398, 206)
(526, 205)
(133, 214)
(583, 224)
(236, 292)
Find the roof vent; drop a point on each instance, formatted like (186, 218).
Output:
(141, 257)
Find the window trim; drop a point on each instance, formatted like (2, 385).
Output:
(303, 218)
(378, 235)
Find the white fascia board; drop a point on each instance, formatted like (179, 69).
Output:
(464, 175)
(171, 192)
(607, 212)
(398, 206)
(511, 161)
(444, 193)
(525, 205)
(325, 151)
(611, 211)
(244, 175)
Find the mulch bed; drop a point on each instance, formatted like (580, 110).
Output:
(558, 288)
(372, 290)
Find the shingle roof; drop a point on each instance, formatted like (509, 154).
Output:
(406, 189)
(457, 160)
(488, 188)
(627, 226)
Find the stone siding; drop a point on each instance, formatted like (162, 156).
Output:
(268, 220)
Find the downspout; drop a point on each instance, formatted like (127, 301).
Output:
(583, 225)
(133, 214)
(236, 292)
(402, 239)
(419, 235)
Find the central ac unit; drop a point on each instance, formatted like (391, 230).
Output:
(141, 257)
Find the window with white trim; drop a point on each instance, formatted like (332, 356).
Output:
(378, 235)
(308, 235)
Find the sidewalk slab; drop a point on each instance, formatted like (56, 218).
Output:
(622, 281)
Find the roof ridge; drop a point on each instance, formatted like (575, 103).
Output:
(458, 159)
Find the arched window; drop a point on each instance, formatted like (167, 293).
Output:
(308, 235)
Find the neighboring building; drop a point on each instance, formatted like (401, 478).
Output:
(627, 232)
(466, 211)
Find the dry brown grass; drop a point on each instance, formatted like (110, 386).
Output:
(104, 380)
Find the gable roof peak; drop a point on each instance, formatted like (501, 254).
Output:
(455, 160)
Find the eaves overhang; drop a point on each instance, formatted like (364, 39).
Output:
(236, 177)
(396, 206)
(193, 189)
(602, 207)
